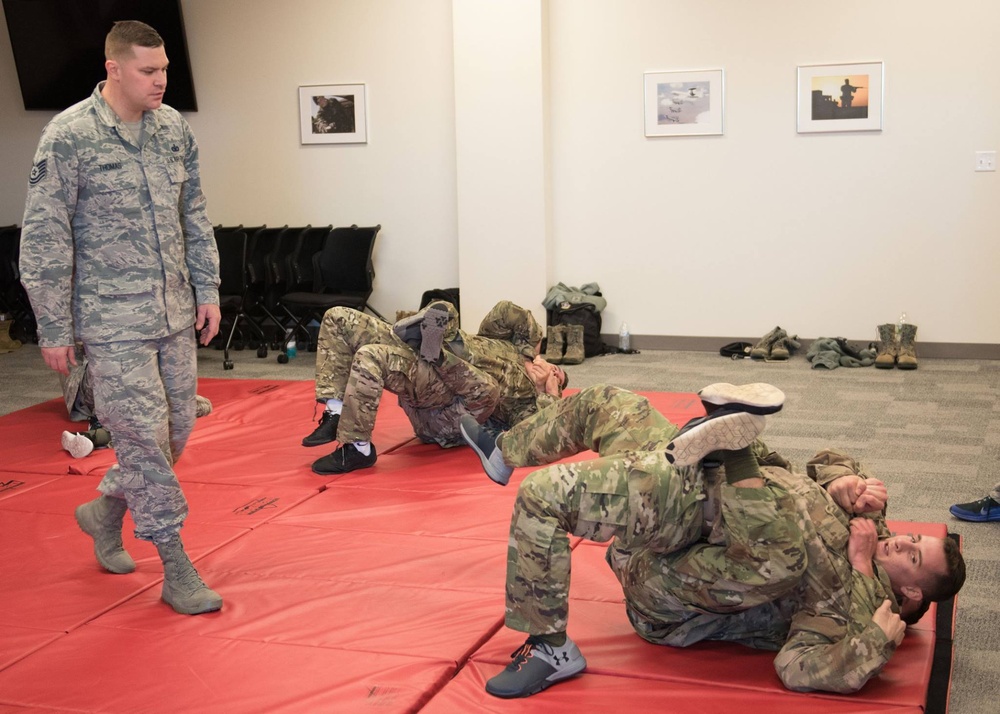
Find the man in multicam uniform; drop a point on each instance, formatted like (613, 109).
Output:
(118, 253)
(749, 552)
(493, 375)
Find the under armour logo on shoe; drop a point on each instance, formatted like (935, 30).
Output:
(565, 657)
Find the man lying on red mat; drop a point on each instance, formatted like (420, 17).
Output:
(439, 373)
(712, 538)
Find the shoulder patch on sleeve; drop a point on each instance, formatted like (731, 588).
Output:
(38, 172)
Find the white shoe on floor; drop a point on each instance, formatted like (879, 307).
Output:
(77, 445)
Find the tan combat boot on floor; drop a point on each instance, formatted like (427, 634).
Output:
(888, 347)
(906, 358)
(784, 347)
(762, 350)
(102, 520)
(555, 344)
(574, 345)
(7, 343)
(183, 588)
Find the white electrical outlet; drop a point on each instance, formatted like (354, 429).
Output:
(986, 161)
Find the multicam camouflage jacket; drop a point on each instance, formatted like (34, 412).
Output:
(833, 645)
(507, 337)
(116, 243)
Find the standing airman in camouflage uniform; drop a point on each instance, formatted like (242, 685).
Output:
(117, 252)
(763, 556)
(489, 375)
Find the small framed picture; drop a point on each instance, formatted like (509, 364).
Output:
(333, 114)
(840, 97)
(683, 103)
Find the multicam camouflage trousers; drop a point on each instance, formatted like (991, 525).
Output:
(359, 356)
(144, 393)
(633, 495)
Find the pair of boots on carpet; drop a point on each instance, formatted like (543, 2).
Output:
(776, 345)
(564, 344)
(897, 346)
(183, 589)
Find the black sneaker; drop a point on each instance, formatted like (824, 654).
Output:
(981, 511)
(344, 459)
(325, 432)
(484, 442)
(535, 666)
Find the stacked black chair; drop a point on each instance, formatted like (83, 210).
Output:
(13, 298)
(300, 271)
(233, 292)
(343, 275)
(262, 298)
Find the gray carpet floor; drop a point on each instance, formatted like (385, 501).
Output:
(932, 434)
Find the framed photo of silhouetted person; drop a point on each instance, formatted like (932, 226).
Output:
(683, 103)
(333, 114)
(840, 97)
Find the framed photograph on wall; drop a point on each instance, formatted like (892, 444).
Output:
(333, 114)
(683, 103)
(840, 97)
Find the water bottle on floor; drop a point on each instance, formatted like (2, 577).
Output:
(624, 339)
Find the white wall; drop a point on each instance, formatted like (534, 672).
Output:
(824, 234)
(501, 155)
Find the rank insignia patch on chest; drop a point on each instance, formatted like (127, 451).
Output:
(175, 148)
(38, 172)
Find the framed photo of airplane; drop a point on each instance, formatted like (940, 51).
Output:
(840, 97)
(683, 103)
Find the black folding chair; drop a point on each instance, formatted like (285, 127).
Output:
(233, 292)
(261, 302)
(13, 298)
(343, 276)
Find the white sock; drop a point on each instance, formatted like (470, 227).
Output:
(365, 447)
(334, 406)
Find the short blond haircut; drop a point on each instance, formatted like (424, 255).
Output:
(127, 34)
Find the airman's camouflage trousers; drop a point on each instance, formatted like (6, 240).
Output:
(654, 512)
(359, 356)
(144, 393)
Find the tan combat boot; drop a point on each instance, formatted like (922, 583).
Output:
(555, 344)
(102, 520)
(907, 355)
(762, 350)
(888, 347)
(783, 347)
(183, 588)
(7, 343)
(574, 345)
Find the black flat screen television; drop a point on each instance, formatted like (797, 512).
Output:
(59, 47)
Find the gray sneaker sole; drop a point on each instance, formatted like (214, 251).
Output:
(726, 433)
(756, 398)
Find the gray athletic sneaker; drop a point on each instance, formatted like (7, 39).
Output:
(756, 398)
(535, 666)
(722, 430)
(484, 443)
